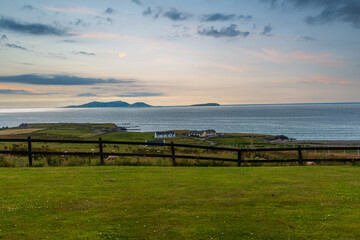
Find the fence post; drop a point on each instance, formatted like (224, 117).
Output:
(101, 151)
(29, 151)
(239, 158)
(300, 155)
(173, 153)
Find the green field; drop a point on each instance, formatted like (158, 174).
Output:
(114, 202)
(94, 131)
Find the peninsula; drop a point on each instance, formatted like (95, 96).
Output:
(205, 105)
(119, 104)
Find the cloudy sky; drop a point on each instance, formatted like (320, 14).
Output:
(176, 52)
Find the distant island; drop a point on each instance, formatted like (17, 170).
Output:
(118, 104)
(121, 104)
(205, 105)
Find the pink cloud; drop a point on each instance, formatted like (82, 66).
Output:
(320, 58)
(273, 55)
(122, 54)
(326, 80)
(12, 88)
(320, 79)
(323, 79)
(345, 82)
(232, 68)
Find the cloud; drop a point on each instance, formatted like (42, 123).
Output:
(316, 79)
(109, 11)
(267, 31)
(122, 54)
(330, 10)
(245, 17)
(3, 37)
(319, 58)
(155, 13)
(147, 11)
(230, 31)
(175, 15)
(104, 20)
(86, 95)
(74, 10)
(79, 22)
(346, 13)
(130, 38)
(37, 79)
(140, 94)
(272, 55)
(306, 39)
(10, 45)
(53, 55)
(325, 80)
(28, 7)
(218, 17)
(21, 92)
(69, 41)
(137, 2)
(83, 53)
(30, 28)
(24, 63)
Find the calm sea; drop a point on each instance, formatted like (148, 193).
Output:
(303, 122)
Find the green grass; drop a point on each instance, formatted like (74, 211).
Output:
(316, 202)
(127, 136)
(68, 133)
(71, 125)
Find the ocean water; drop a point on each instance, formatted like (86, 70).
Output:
(303, 122)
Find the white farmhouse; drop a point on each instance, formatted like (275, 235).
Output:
(167, 134)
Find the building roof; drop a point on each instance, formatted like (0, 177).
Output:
(202, 131)
(157, 143)
(210, 131)
(196, 132)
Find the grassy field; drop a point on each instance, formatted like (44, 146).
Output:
(314, 202)
(87, 131)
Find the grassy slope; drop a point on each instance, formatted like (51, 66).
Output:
(180, 203)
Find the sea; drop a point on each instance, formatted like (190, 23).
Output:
(340, 121)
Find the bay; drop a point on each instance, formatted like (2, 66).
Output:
(300, 121)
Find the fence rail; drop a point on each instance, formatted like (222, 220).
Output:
(239, 160)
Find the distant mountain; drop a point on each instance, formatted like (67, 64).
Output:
(205, 105)
(111, 104)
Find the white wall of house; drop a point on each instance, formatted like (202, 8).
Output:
(169, 135)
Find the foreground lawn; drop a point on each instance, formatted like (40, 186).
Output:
(314, 202)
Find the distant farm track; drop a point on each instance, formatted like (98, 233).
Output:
(19, 131)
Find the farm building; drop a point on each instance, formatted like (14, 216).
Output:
(203, 133)
(155, 141)
(167, 134)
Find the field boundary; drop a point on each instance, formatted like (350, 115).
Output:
(239, 160)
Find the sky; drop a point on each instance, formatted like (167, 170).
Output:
(179, 52)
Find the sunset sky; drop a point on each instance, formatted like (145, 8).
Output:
(177, 52)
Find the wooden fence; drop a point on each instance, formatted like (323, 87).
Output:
(173, 156)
